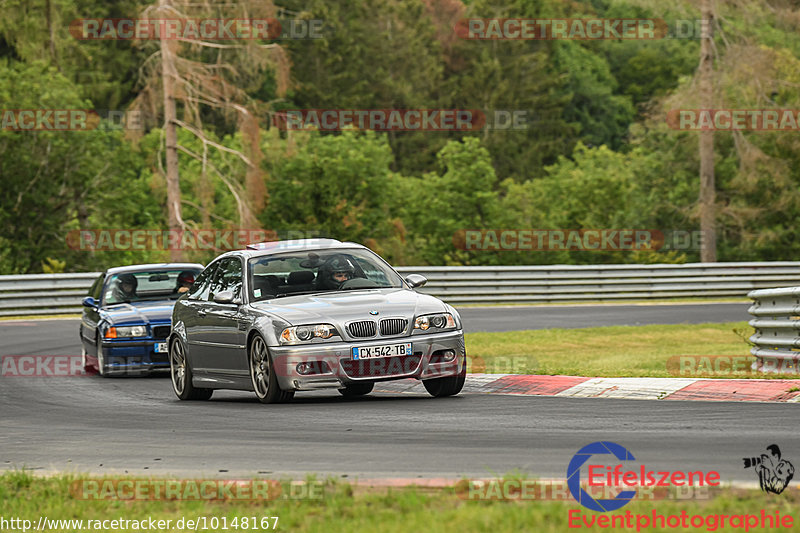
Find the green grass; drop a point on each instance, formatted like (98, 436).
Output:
(39, 317)
(617, 351)
(345, 507)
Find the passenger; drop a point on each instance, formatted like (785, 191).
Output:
(185, 281)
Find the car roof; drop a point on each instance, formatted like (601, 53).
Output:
(299, 245)
(154, 266)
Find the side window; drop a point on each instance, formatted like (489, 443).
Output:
(217, 284)
(233, 277)
(97, 288)
(227, 278)
(199, 289)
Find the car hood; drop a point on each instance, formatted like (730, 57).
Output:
(139, 312)
(351, 305)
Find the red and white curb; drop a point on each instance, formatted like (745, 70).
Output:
(700, 389)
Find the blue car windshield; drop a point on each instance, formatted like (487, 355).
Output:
(147, 285)
(290, 274)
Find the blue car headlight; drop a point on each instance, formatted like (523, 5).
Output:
(125, 331)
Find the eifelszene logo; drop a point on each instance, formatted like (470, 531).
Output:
(601, 475)
(774, 473)
(574, 476)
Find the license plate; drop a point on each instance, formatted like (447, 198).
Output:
(161, 347)
(383, 350)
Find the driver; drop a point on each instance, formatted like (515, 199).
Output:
(335, 272)
(185, 280)
(125, 288)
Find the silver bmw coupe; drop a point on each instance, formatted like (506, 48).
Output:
(287, 316)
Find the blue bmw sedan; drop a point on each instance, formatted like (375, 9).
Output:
(127, 314)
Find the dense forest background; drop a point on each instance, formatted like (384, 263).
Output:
(598, 152)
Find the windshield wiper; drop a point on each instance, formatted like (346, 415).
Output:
(281, 295)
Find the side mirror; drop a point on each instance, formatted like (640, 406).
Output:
(225, 297)
(90, 302)
(416, 280)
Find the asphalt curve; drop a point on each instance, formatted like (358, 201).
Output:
(137, 426)
(103, 426)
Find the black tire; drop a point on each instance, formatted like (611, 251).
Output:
(180, 373)
(84, 354)
(102, 368)
(447, 386)
(262, 374)
(356, 389)
(89, 369)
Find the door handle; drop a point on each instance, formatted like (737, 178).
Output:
(202, 312)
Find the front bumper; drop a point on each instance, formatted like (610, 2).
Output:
(339, 370)
(134, 357)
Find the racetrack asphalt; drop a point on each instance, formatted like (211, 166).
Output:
(137, 426)
(585, 316)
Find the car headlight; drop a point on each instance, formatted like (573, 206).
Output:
(126, 331)
(437, 321)
(298, 334)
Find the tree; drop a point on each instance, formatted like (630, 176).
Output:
(339, 186)
(439, 206)
(103, 71)
(708, 253)
(51, 179)
(202, 74)
(374, 54)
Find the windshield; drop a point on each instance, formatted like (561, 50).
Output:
(307, 272)
(157, 284)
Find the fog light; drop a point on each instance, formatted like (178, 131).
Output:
(312, 367)
(443, 356)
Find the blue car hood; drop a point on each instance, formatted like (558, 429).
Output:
(139, 312)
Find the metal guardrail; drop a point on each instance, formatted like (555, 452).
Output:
(565, 283)
(777, 325)
(44, 294)
(40, 294)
